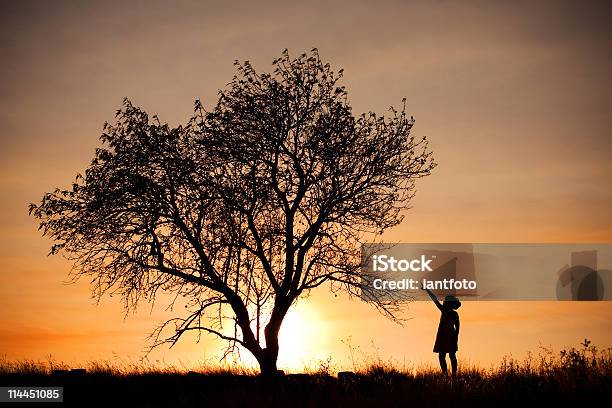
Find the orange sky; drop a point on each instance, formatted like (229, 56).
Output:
(515, 99)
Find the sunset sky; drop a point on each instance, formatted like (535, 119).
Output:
(514, 97)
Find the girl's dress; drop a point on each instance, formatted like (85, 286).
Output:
(446, 339)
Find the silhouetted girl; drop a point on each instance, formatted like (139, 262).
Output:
(448, 331)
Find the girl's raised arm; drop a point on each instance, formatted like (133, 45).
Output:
(434, 298)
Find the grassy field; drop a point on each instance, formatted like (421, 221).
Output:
(569, 377)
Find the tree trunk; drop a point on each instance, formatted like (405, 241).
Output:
(267, 363)
(269, 355)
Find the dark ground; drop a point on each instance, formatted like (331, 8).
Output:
(375, 389)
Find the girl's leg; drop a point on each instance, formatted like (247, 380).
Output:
(442, 358)
(453, 360)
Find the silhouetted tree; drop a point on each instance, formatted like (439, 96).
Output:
(244, 209)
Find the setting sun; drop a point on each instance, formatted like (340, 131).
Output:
(302, 333)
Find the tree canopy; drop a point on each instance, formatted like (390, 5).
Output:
(246, 207)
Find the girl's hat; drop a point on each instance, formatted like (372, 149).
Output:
(452, 302)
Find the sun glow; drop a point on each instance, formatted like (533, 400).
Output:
(301, 335)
